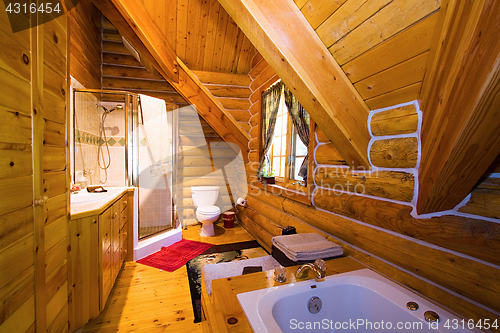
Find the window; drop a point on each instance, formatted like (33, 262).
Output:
(287, 151)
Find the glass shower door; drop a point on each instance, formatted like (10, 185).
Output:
(155, 171)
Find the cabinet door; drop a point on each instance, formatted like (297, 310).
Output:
(105, 265)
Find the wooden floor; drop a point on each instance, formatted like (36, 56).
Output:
(145, 299)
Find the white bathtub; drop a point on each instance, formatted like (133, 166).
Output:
(359, 301)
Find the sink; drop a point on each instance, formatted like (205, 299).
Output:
(83, 197)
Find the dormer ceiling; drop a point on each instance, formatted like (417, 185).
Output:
(202, 35)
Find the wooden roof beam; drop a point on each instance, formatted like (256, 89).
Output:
(289, 44)
(460, 103)
(186, 83)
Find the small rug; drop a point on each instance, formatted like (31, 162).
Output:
(214, 255)
(175, 256)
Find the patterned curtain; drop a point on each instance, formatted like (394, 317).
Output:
(300, 119)
(270, 105)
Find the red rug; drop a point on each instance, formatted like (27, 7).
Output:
(175, 256)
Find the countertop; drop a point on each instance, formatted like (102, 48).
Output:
(223, 309)
(94, 203)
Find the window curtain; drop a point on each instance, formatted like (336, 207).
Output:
(270, 106)
(300, 119)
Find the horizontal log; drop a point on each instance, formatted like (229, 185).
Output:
(321, 136)
(234, 103)
(258, 68)
(395, 153)
(485, 199)
(18, 162)
(278, 216)
(126, 84)
(264, 238)
(328, 154)
(402, 120)
(384, 184)
(130, 72)
(120, 59)
(241, 80)
(468, 236)
(240, 116)
(228, 91)
(112, 47)
(264, 222)
(264, 77)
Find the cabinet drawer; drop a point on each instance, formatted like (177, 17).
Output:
(106, 266)
(123, 202)
(124, 219)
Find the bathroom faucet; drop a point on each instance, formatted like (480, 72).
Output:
(318, 267)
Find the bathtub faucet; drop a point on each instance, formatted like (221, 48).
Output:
(318, 267)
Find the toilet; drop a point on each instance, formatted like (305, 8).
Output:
(204, 198)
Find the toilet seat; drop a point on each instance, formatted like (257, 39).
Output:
(208, 209)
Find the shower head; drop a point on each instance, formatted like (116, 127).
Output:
(119, 107)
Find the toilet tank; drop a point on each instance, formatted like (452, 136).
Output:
(204, 195)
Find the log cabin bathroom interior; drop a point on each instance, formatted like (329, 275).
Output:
(250, 166)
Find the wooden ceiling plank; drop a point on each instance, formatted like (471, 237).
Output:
(405, 45)
(347, 18)
(393, 18)
(182, 23)
(317, 11)
(403, 74)
(171, 23)
(202, 35)
(402, 95)
(135, 15)
(246, 53)
(460, 125)
(193, 33)
(283, 36)
(219, 40)
(229, 45)
(213, 17)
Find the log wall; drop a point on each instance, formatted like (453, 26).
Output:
(451, 258)
(34, 237)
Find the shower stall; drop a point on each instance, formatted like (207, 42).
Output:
(125, 139)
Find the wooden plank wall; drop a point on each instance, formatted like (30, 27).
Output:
(369, 213)
(17, 288)
(85, 44)
(55, 172)
(33, 241)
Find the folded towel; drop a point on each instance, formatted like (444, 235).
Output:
(308, 246)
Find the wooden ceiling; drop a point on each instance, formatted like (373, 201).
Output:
(202, 35)
(381, 45)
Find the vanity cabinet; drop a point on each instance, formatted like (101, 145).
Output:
(98, 250)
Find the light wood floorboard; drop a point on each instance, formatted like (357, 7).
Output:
(145, 299)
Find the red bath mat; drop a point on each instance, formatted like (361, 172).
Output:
(175, 256)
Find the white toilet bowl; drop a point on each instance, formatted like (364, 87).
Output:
(204, 198)
(207, 215)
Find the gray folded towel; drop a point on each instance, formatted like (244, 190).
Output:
(307, 246)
